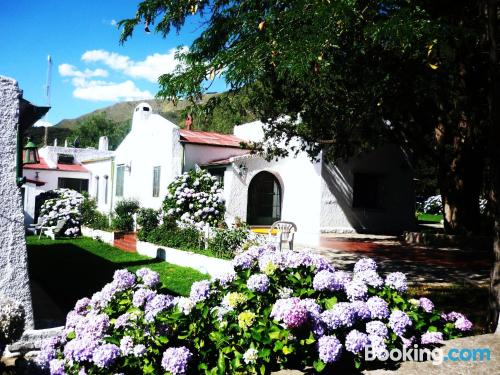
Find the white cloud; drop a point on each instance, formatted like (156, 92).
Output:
(67, 70)
(150, 68)
(42, 123)
(109, 91)
(113, 23)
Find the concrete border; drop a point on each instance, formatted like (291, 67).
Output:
(96, 234)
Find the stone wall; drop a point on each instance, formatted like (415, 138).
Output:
(14, 280)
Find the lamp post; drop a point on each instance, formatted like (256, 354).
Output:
(30, 153)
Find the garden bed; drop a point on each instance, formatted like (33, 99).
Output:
(205, 264)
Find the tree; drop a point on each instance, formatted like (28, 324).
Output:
(91, 128)
(355, 73)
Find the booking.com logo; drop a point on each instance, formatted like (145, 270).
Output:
(436, 355)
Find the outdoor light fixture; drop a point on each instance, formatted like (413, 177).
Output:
(30, 153)
(242, 170)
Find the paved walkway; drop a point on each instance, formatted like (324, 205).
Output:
(420, 264)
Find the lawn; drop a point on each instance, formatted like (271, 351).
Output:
(429, 218)
(69, 269)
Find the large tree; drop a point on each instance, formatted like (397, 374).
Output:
(355, 73)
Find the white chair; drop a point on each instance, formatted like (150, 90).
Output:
(36, 228)
(53, 231)
(285, 232)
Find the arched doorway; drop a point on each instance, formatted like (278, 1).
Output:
(264, 199)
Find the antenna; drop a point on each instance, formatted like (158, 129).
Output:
(47, 95)
(49, 80)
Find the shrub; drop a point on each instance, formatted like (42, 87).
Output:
(195, 198)
(62, 204)
(148, 219)
(226, 242)
(123, 219)
(172, 236)
(92, 217)
(279, 309)
(11, 322)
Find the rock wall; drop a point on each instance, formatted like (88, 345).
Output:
(14, 280)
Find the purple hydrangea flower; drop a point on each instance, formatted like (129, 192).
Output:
(342, 314)
(324, 280)
(379, 309)
(226, 279)
(341, 280)
(377, 328)
(126, 345)
(356, 341)
(369, 277)
(80, 350)
(200, 291)
(408, 342)
(356, 290)
(432, 338)
(452, 316)
(398, 321)
(322, 264)
(361, 310)
(48, 351)
(93, 326)
(123, 320)
(378, 346)
(311, 306)
(396, 281)
(123, 279)
(57, 367)
(290, 311)
(258, 283)
(243, 261)
(365, 264)
(426, 304)
(329, 349)
(149, 278)
(463, 324)
(105, 355)
(159, 303)
(142, 296)
(176, 360)
(72, 319)
(81, 306)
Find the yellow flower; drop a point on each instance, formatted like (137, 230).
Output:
(245, 319)
(233, 299)
(269, 268)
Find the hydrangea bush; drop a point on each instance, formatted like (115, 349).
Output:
(278, 309)
(62, 204)
(433, 205)
(195, 198)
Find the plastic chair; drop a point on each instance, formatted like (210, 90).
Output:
(53, 231)
(285, 233)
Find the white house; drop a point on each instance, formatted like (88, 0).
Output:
(371, 193)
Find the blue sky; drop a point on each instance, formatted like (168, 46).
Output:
(90, 69)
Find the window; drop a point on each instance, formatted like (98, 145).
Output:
(156, 181)
(366, 191)
(120, 176)
(218, 173)
(106, 189)
(97, 189)
(79, 184)
(65, 159)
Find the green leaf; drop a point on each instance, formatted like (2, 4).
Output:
(330, 302)
(221, 364)
(432, 329)
(319, 365)
(287, 350)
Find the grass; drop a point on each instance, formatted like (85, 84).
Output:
(465, 298)
(429, 218)
(70, 269)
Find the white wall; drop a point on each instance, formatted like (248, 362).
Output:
(396, 212)
(153, 141)
(101, 168)
(50, 177)
(300, 189)
(203, 154)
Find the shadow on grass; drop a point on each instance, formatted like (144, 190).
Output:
(64, 273)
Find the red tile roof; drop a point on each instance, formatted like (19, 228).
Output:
(60, 167)
(209, 138)
(36, 182)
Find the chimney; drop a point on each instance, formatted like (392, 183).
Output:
(189, 122)
(103, 143)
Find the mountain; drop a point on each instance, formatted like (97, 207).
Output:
(121, 112)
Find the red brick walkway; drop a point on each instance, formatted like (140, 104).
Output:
(126, 242)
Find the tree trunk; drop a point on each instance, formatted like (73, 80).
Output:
(494, 157)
